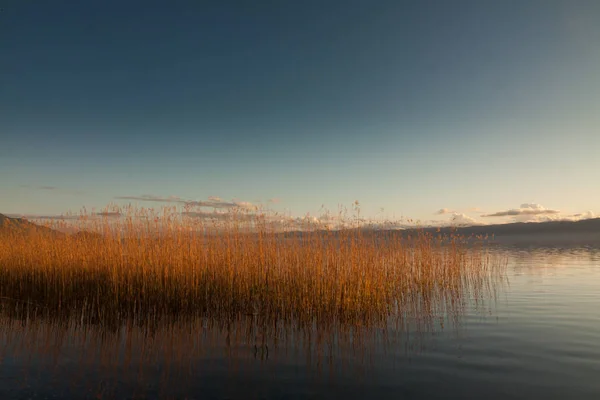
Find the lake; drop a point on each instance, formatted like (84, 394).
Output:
(535, 335)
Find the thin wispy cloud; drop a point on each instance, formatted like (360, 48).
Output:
(148, 197)
(527, 212)
(70, 217)
(540, 218)
(443, 211)
(532, 212)
(110, 214)
(220, 204)
(212, 202)
(526, 209)
(53, 188)
(47, 217)
(219, 216)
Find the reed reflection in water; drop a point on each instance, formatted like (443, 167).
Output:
(165, 355)
(157, 302)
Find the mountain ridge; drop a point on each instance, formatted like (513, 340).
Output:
(584, 231)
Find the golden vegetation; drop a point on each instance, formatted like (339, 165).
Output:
(136, 288)
(147, 265)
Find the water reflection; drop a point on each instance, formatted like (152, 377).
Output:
(178, 356)
(71, 354)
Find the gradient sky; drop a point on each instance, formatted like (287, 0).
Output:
(406, 106)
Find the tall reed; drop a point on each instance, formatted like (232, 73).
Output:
(147, 265)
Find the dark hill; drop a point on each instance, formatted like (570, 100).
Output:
(10, 224)
(552, 232)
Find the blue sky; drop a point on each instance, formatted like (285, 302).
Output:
(406, 106)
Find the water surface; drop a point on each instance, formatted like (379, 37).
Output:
(538, 337)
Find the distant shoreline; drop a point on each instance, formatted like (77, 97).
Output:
(583, 232)
(546, 233)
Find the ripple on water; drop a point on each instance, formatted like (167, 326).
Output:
(539, 339)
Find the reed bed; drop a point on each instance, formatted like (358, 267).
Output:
(145, 265)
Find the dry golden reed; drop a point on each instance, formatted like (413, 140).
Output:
(146, 265)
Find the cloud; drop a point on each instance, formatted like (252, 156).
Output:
(540, 218)
(212, 202)
(274, 200)
(220, 216)
(53, 188)
(527, 209)
(585, 215)
(275, 221)
(463, 219)
(245, 205)
(108, 214)
(49, 217)
(572, 218)
(149, 197)
(443, 211)
(556, 217)
(531, 212)
(221, 204)
(454, 218)
(281, 222)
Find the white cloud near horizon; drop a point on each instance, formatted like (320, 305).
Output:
(533, 212)
(463, 219)
(586, 215)
(443, 211)
(556, 217)
(526, 209)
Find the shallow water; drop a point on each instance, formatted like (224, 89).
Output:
(539, 338)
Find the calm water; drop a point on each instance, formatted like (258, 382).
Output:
(539, 338)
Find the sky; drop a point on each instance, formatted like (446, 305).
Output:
(479, 111)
